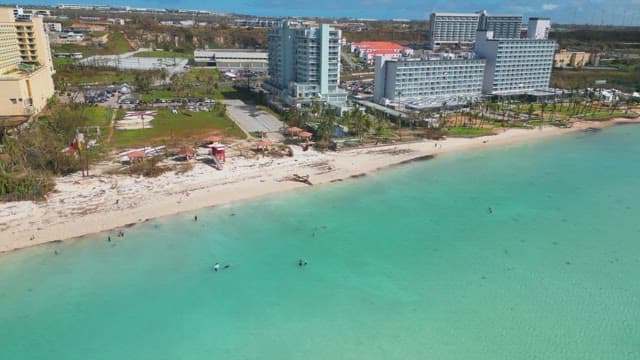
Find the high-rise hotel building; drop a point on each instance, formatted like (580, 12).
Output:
(515, 66)
(26, 67)
(460, 28)
(414, 79)
(304, 63)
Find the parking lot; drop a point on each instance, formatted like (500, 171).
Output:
(250, 119)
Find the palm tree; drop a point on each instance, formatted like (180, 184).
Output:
(326, 126)
(543, 106)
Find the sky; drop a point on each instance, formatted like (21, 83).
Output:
(618, 12)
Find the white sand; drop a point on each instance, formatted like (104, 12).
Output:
(82, 206)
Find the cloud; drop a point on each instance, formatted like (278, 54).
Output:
(549, 7)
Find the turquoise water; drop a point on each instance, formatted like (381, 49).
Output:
(406, 264)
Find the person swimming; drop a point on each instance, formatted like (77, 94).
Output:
(216, 267)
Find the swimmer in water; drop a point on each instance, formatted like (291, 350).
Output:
(216, 267)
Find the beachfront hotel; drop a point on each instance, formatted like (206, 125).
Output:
(515, 66)
(460, 28)
(26, 67)
(304, 63)
(408, 79)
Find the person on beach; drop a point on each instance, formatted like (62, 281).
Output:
(216, 267)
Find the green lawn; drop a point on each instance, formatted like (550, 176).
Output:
(202, 75)
(163, 54)
(76, 74)
(71, 48)
(184, 128)
(157, 94)
(61, 61)
(468, 132)
(117, 44)
(98, 116)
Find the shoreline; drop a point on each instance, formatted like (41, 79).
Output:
(106, 203)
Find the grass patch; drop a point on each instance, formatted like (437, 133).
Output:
(163, 54)
(89, 50)
(570, 79)
(469, 132)
(98, 116)
(117, 44)
(184, 128)
(62, 61)
(77, 74)
(157, 94)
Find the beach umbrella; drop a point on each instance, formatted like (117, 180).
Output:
(305, 135)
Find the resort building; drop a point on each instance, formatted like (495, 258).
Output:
(503, 26)
(515, 66)
(571, 59)
(436, 78)
(452, 28)
(304, 63)
(460, 28)
(538, 28)
(233, 59)
(367, 51)
(26, 66)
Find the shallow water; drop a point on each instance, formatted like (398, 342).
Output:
(525, 252)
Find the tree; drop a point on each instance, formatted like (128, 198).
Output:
(326, 126)
(293, 117)
(543, 106)
(358, 122)
(142, 81)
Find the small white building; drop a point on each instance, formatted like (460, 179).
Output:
(52, 27)
(232, 59)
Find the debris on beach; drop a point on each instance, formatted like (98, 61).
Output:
(299, 178)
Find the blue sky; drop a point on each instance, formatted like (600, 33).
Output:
(618, 12)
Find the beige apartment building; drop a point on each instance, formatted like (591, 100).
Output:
(574, 59)
(26, 67)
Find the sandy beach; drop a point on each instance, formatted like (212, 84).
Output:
(103, 203)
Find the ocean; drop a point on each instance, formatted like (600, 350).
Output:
(530, 251)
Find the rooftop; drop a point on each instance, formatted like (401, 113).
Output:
(379, 45)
